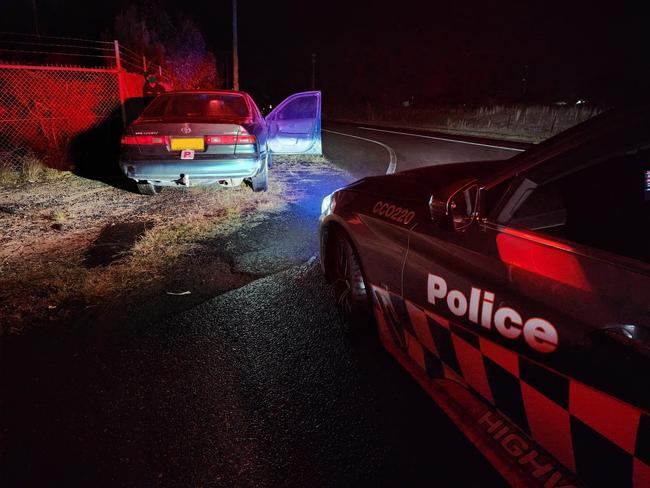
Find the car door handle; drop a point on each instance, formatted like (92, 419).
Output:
(631, 331)
(633, 337)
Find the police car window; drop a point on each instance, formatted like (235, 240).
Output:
(603, 205)
(543, 208)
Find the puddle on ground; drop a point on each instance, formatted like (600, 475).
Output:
(113, 241)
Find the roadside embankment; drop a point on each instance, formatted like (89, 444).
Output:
(521, 123)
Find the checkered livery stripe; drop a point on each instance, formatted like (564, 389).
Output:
(603, 440)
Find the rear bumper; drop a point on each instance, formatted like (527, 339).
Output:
(166, 173)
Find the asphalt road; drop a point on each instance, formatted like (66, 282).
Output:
(365, 150)
(257, 387)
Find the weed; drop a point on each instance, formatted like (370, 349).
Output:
(59, 216)
(8, 174)
(31, 167)
(23, 165)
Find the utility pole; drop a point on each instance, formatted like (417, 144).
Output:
(313, 71)
(235, 54)
(35, 9)
(524, 81)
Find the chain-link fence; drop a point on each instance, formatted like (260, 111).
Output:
(44, 107)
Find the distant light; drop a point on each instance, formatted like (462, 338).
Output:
(581, 102)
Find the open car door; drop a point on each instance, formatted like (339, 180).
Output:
(294, 125)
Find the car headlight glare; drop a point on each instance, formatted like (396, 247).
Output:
(326, 205)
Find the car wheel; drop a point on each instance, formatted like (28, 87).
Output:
(269, 160)
(146, 188)
(260, 182)
(350, 290)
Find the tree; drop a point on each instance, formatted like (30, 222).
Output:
(188, 61)
(175, 44)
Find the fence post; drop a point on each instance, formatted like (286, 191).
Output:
(120, 81)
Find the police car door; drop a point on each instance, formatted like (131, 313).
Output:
(294, 126)
(574, 235)
(543, 308)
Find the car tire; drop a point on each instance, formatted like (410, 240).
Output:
(350, 290)
(269, 160)
(146, 188)
(260, 182)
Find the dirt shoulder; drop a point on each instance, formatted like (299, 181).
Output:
(75, 251)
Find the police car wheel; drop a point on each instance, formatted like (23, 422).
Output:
(349, 285)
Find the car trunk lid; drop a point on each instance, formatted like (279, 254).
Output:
(167, 139)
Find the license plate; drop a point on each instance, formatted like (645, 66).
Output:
(187, 154)
(180, 143)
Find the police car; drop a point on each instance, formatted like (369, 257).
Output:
(517, 293)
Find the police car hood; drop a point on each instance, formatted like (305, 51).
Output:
(422, 182)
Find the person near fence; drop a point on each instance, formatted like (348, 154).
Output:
(151, 87)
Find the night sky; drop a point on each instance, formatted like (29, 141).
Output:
(380, 52)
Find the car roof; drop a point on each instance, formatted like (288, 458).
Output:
(205, 92)
(608, 121)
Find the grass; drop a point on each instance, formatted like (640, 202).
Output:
(45, 276)
(39, 285)
(214, 211)
(300, 158)
(8, 173)
(530, 123)
(24, 166)
(59, 216)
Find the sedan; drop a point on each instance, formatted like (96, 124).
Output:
(206, 137)
(517, 293)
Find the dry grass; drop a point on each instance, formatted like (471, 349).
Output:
(530, 123)
(24, 166)
(42, 270)
(214, 211)
(288, 159)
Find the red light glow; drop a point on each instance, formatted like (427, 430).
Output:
(542, 257)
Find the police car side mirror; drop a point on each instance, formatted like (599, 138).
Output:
(457, 211)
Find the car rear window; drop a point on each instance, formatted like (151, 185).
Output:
(198, 105)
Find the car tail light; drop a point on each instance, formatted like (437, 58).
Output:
(216, 140)
(145, 140)
(240, 139)
(245, 139)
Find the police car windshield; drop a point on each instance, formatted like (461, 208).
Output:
(198, 105)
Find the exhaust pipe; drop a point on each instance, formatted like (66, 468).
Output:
(183, 180)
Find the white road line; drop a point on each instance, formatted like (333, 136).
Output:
(442, 139)
(392, 163)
